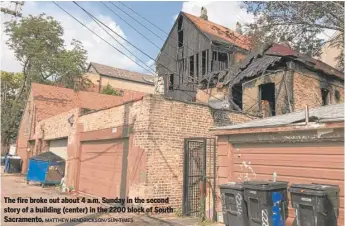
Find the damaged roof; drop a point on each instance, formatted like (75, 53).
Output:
(259, 60)
(52, 100)
(325, 113)
(122, 74)
(219, 33)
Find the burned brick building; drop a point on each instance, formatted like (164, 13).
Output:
(275, 80)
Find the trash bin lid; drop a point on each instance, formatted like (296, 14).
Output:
(313, 189)
(232, 185)
(265, 185)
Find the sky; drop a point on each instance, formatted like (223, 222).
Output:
(162, 14)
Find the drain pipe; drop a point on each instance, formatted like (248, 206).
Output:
(306, 114)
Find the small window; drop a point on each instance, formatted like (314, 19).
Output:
(179, 23)
(325, 96)
(180, 38)
(191, 68)
(197, 66)
(171, 82)
(337, 95)
(203, 63)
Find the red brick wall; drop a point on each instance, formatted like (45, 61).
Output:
(307, 90)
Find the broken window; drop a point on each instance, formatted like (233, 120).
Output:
(180, 38)
(171, 82)
(197, 66)
(180, 31)
(267, 99)
(325, 96)
(181, 70)
(191, 68)
(337, 95)
(203, 62)
(219, 61)
(237, 95)
(179, 23)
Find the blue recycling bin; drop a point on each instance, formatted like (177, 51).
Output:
(46, 168)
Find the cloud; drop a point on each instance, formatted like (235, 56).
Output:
(223, 13)
(98, 50)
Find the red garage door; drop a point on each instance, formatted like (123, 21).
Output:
(296, 163)
(100, 168)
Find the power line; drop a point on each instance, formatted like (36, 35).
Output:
(122, 37)
(138, 22)
(144, 18)
(100, 36)
(95, 19)
(136, 29)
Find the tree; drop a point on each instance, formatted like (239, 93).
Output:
(10, 112)
(109, 90)
(300, 23)
(38, 45)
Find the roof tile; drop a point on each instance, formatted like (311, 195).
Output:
(216, 32)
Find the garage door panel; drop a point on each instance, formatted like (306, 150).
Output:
(99, 147)
(315, 173)
(292, 157)
(295, 163)
(287, 150)
(59, 147)
(104, 158)
(100, 168)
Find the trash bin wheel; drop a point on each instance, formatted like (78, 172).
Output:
(27, 182)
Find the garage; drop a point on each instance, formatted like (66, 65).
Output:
(101, 167)
(59, 147)
(298, 163)
(298, 148)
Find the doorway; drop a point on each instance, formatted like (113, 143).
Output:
(267, 99)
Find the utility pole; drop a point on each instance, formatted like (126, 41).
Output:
(16, 12)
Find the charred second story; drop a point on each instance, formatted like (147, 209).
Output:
(195, 47)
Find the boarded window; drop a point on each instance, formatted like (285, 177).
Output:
(171, 82)
(325, 96)
(191, 68)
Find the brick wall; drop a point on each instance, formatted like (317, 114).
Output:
(159, 128)
(307, 90)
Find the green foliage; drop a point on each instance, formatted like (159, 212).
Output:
(38, 45)
(178, 212)
(298, 22)
(109, 90)
(11, 109)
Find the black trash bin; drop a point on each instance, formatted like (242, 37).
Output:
(315, 204)
(233, 204)
(262, 210)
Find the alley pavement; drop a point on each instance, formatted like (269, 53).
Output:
(14, 185)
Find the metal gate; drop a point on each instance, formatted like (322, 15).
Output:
(199, 178)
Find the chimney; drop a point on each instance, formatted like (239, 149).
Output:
(239, 28)
(204, 13)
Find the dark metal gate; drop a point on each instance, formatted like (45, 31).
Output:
(199, 178)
